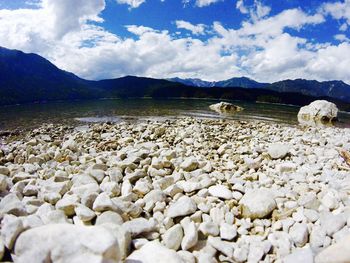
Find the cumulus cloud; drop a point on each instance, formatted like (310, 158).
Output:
(201, 3)
(241, 7)
(195, 29)
(256, 11)
(339, 10)
(132, 3)
(264, 49)
(341, 37)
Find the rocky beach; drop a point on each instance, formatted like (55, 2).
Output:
(180, 190)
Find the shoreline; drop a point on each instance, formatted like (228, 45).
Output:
(188, 188)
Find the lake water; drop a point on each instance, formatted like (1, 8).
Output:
(80, 112)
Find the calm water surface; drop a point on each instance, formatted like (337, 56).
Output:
(79, 112)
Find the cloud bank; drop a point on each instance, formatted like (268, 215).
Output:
(265, 47)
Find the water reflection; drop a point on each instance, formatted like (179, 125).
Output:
(75, 112)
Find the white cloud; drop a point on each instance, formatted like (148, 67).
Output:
(241, 7)
(132, 3)
(201, 3)
(67, 15)
(195, 29)
(338, 10)
(256, 11)
(341, 37)
(264, 48)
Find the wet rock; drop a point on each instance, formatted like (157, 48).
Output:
(318, 112)
(225, 108)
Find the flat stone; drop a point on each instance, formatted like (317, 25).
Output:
(332, 223)
(67, 243)
(223, 247)
(220, 191)
(303, 255)
(299, 234)
(84, 213)
(11, 227)
(4, 170)
(338, 252)
(257, 204)
(278, 150)
(68, 203)
(103, 203)
(209, 228)
(97, 174)
(109, 217)
(228, 231)
(123, 237)
(3, 183)
(182, 207)
(173, 236)
(190, 164)
(11, 204)
(190, 234)
(139, 225)
(154, 252)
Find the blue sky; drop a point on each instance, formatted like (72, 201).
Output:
(209, 39)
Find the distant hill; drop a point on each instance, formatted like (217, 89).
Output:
(242, 82)
(28, 78)
(194, 82)
(333, 89)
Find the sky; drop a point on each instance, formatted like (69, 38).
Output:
(266, 40)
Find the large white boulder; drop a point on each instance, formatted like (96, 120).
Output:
(225, 108)
(338, 252)
(67, 243)
(318, 112)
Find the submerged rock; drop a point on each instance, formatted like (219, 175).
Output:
(319, 112)
(225, 108)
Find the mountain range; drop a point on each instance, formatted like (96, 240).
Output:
(28, 78)
(241, 82)
(333, 89)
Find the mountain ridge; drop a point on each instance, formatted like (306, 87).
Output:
(28, 78)
(337, 89)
